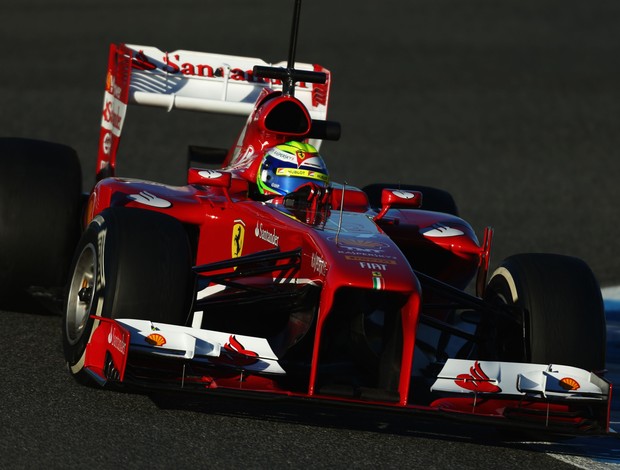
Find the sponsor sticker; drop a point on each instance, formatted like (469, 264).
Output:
(568, 383)
(378, 283)
(236, 354)
(362, 251)
(117, 340)
(373, 266)
(303, 173)
(210, 174)
(155, 339)
(264, 234)
(360, 242)
(403, 194)
(107, 143)
(191, 64)
(148, 199)
(477, 380)
(319, 265)
(441, 231)
(369, 259)
(113, 114)
(111, 86)
(238, 236)
(234, 345)
(283, 156)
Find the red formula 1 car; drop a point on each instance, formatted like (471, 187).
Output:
(263, 275)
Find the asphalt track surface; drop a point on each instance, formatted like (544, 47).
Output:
(511, 106)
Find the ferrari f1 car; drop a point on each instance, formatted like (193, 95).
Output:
(315, 290)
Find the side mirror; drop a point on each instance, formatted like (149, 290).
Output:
(398, 199)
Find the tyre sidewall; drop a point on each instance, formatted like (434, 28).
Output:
(143, 271)
(564, 320)
(95, 238)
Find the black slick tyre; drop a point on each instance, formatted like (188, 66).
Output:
(40, 206)
(563, 318)
(129, 263)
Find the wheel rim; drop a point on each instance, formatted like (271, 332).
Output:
(502, 290)
(81, 296)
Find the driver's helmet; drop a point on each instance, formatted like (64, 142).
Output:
(286, 167)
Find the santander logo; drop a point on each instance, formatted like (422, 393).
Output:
(264, 234)
(116, 340)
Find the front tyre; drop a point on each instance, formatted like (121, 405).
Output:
(562, 317)
(129, 263)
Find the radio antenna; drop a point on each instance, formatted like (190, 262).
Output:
(289, 75)
(288, 83)
(344, 188)
(294, 31)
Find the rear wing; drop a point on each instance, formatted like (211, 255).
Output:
(195, 81)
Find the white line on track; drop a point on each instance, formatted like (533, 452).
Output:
(604, 453)
(611, 292)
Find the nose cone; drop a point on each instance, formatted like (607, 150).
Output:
(368, 262)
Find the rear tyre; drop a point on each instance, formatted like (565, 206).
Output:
(40, 205)
(129, 263)
(562, 312)
(433, 199)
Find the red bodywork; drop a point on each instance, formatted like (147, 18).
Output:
(354, 248)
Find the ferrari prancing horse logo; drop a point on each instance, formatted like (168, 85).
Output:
(238, 235)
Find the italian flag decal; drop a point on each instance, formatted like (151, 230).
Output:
(378, 283)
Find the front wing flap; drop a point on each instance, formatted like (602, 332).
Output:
(520, 379)
(551, 397)
(158, 339)
(555, 398)
(113, 341)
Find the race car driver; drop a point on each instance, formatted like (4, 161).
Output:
(294, 175)
(286, 167)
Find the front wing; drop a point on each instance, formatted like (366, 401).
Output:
(156, 356)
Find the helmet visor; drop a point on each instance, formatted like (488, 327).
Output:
(288, 180)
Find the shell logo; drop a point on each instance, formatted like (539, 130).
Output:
(155, 339)
(568, 383)
(108, 82)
